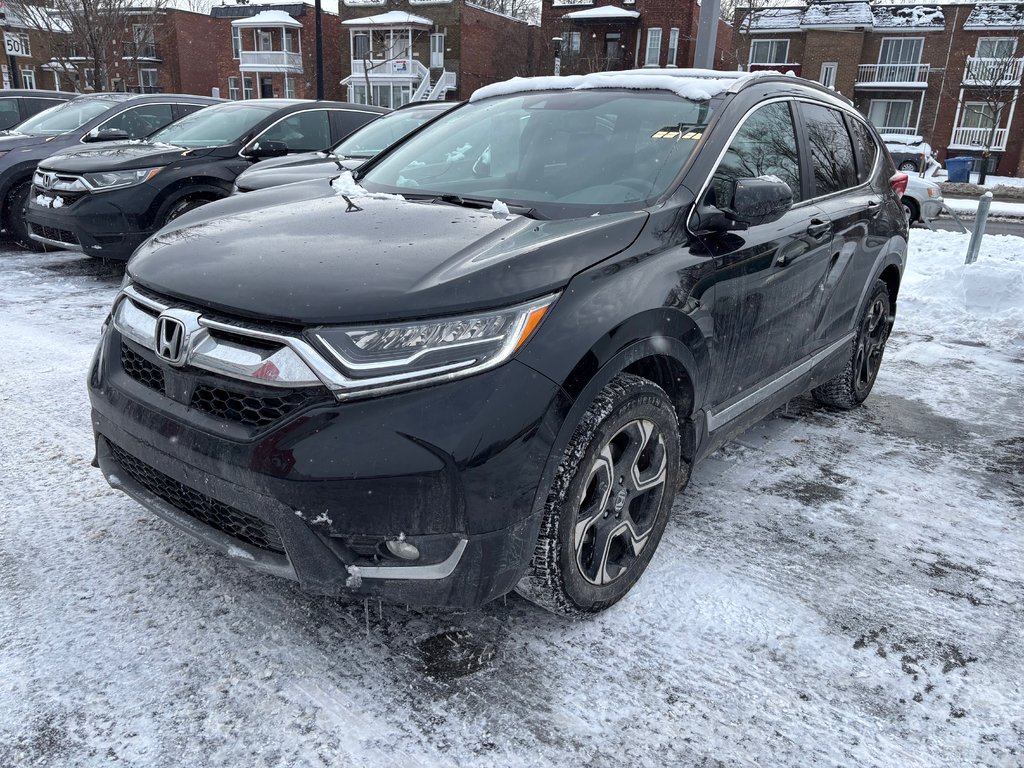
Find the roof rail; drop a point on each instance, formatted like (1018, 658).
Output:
(753, 78)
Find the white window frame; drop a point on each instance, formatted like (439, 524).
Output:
(234, 89)
(902, 41)
(289, 87)
(236, 42)
(882, 128)
(773, 41)
(977, 47)
(829, 70)
(437, 50)
(264, 36)
(653, 47)
(28, 77)
(572, 43)
(369, 45)
(248, 88)
(673, 47)
(155, 75)
(969, 108)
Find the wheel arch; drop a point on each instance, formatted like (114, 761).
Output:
(203, 189)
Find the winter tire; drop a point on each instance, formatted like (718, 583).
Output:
(14, 216)
(609, 502)
(180, 208)
(908, 165)
(851, 387)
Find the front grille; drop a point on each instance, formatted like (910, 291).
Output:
(234, 522)
(252, 410)
(52, 233)
(139, 368)
(67, 198)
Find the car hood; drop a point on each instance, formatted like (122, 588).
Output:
(313, 258)
(317, 167)
(19, 140)
(116, 156)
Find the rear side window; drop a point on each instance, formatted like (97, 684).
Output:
(831, 150)
(867, 149)
(302, 132)
(765, 146)
(9, 114)
(140, 121)
(344, 121)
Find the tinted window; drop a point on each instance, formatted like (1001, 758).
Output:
(34, 106)
(65, 117)
(188, 109)
(831, 150)
(383, 132)
(213, 126)
(140, 121)
(344, 121)
(867, 149)
(764, 146)
(9, 114)
(302, 132)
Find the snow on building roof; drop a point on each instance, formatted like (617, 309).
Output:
(838, 13)
(603, 12)
(914, 16)
(267, 19)
(694, 84)
(996, 16)
(389, 19)
(774, 20)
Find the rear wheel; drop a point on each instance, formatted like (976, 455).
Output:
(610, 500)
(15, 208)
(908, 165)
(851, 387)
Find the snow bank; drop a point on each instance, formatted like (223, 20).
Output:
(696, 85)
(981, 302)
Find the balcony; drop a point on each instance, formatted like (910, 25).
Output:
(993, 72)
(975, 138)
(270, 61)
(780, 67)
(406, 69)
(139, 52)
(892, 76)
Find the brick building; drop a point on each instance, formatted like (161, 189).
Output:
(950, 73)
(599, 35)
(398, 51)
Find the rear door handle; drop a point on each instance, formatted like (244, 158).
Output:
(818, 229)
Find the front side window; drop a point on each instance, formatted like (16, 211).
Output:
(140, 121)
(9, 113)
(769, 52)
(891, 115)
(564, 153)
(764, 146)
(653, 57)
(831, 150)
(212, 127)
(301, 132)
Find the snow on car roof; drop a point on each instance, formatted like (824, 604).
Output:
(694, 84)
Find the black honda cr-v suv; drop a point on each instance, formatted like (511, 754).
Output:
(489, 361)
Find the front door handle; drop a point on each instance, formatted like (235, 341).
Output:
(818, 229)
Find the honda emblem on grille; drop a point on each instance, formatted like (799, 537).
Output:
(171, 340)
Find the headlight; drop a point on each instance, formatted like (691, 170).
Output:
(113, 179)
(934, 192)
(385, 358)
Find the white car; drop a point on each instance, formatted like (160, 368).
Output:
(922, 200)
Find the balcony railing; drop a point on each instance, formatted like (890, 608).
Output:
(140, 51)
(975, 138)
(782, 66)
(981, 71)
(892, 75)
(408, 68)
(270, 61)
(901, 130)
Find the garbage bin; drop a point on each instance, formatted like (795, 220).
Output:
(958, 169)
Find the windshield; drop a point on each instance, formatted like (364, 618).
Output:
(65, 117)
(212, 127)
(563, 153)
(383, 132)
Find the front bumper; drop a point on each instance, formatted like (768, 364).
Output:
(312, 496)
(931, 208)
(108, 225)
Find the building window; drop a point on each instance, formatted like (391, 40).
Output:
(357, 94)
(891, 115)
(148, 81)
(291, 40)
(673, 46)
(572, 43)
(264, 40)
(996, 48)
(144, 38)
(234, 93)
(612, 45)
(977, 114)
(236, 43)
(360, 47)
(653, 57)
(769, 52)
(899, 59)
(28, 78)
(289, 87)
(437, 51)
(828, 74)
(247, 88)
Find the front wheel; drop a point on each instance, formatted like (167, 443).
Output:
(15, 208)
(180, 208)
(851, 387)
(609, 502)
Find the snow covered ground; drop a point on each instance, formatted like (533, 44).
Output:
(996, 208)
(834, 589)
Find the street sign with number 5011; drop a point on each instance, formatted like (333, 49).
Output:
(17, 45)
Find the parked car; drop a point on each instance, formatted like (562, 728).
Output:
(490, 360)
(106, 201)
(17, 105)
(922, 199)
(99, 118)
(354, 150)
(909, 153)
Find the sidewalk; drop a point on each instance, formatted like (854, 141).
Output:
(969, 207)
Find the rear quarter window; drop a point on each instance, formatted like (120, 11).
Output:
(831, 149)
(867, 148)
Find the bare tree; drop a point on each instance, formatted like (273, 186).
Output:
(742, 15)
(527, 10)
(379, 53)
(84, 36)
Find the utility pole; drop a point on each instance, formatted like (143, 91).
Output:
(707, 34)
(319, 51)
(12, 62)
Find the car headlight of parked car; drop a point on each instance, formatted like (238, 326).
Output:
(934, 192)
(400, 355)
(114, 179)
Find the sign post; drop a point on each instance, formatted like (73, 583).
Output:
(16, 45)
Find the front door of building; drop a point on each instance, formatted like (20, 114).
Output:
(266, 88)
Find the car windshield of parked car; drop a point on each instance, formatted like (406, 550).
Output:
(369, 140)
(64, 117)
(212, 127)
(561, 153)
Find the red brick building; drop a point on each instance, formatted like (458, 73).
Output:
(599, 35)
(950, 73)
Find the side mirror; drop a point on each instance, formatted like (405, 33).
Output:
(107, 134)
(262, 149)
(755, 201)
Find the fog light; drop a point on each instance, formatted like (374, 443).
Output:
(402, 549)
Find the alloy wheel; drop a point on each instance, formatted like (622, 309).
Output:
(870, 345)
